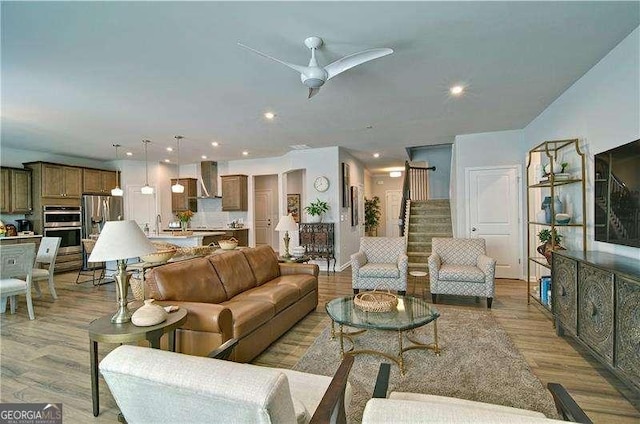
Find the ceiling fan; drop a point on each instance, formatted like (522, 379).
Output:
(314, 75)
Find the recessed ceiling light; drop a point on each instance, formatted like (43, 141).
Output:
(129, 153)
(456, 90)
(269, 115)
(245, 153)
(169, 149)
(376, 155)
(203, 157)
(395, 174)
(167, 160)
(369, 127)
(215, 143)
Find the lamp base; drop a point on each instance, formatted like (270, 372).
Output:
(123, 315)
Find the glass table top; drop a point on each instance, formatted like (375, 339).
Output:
(411, 312)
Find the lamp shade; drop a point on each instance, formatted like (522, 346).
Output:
(287, 223)
(120, 240)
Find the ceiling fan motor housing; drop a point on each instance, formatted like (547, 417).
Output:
(314, 77)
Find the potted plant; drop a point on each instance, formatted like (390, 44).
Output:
(372, 215)
(551, 240)
(317, 209)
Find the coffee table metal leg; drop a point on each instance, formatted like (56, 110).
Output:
(436, 348)
(341, 342)
(95, 395)
(400, 358)
(333, 330)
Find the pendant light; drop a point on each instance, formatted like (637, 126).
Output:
(177, 187)
(147, 189)
(117, 191)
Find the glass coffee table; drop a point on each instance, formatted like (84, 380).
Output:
(410, 313)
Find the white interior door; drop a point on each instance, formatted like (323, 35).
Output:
(493, 213)
(392, 201)
(263, 216)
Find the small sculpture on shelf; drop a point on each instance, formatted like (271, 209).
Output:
(551, 240)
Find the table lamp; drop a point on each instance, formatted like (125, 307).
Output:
(286, 224)
(119, 241)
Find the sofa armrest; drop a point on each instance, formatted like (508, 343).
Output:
(207, 317)
(567, 407)
(488, 266)
(292, 268)
(382, 381)
(434, 263)
(331, 408)
(358, 259)
(224, 350)
(403, 264)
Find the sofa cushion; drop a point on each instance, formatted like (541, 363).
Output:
(461, 273)
(280, 296)
(193, 280)
(379, 271)
(303, 282)
(234, 272)
(248, 314)
(263, 262)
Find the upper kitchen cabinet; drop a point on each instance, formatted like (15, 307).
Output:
(16, 191)
(234, 193)
(61, 181)
(186, 200)
(98, 181)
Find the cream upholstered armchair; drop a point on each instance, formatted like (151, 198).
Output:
(460, 266)
(381, 261)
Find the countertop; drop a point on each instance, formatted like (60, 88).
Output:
(166, 235)
(200, 230)
(20, 237)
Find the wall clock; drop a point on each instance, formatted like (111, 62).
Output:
(321, 184)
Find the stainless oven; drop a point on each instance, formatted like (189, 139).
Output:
(64, 222)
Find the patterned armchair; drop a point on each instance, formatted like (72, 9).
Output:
(381, 261)
(460, 266)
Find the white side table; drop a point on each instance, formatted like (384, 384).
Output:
(418, 275)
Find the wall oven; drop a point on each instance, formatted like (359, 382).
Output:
(64, 222)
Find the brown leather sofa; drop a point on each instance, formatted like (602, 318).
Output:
(244, 294)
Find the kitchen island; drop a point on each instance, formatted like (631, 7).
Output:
(193, 240)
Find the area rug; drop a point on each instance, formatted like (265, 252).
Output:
(478, 362)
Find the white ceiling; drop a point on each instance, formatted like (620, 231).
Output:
(80, 76)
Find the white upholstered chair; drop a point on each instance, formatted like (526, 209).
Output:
(46, 257)
(380, 262)
(156, 386)
(460, 267)
(16, 261)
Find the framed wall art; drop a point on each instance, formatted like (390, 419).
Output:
(293, 206)
(354, 206)
(345, 185)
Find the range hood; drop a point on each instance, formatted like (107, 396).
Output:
(209, 179)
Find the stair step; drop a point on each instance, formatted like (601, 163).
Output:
(430, 219)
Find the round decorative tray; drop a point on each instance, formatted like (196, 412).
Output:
(376, 301)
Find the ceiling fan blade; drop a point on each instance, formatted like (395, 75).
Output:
(313, 92)
(298, 68)
(348, 62)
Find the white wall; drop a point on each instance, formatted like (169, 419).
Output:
(348, 236)
(382, 184)
(602, 109)
(440, 157)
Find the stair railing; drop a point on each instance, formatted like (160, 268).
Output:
(414, 187)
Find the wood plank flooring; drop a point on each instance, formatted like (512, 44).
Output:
(47, 360)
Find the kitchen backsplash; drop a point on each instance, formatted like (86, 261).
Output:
(210, 215)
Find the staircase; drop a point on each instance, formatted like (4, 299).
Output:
(425, 219)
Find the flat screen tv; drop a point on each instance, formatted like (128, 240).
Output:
(617, 195)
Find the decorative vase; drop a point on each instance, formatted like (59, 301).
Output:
(184, 225)
(149, 314)
(546, 206)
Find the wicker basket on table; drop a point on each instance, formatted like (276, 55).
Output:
(376, 301)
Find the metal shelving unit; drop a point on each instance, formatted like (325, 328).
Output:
(548, 152)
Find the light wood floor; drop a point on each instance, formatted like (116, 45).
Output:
(47, 360)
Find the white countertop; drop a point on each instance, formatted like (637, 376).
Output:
(169, 235)
(20, 237)
(200, 230)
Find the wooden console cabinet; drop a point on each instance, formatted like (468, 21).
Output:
(318, 241)
(596, 300)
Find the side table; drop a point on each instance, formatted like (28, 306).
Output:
(417, 276)
(294, 259)
(102, 330)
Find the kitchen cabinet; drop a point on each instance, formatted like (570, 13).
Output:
(186, 200)
(16, 191)
(234, 193)
(98, 181)
(61, 181)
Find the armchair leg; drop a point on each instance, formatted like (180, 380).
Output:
(434, 297)
(356, 291)
(402, 292)
(489, 300)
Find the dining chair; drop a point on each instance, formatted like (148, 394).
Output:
(16, 261)
(92, 267)
(46, 257)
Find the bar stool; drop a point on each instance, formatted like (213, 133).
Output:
(92, 267)
(416, 276)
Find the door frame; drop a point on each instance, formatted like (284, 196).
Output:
(521, 219)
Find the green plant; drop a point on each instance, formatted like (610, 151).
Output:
(317, 208)
(371, 213)
(545, 236)
(564, 165)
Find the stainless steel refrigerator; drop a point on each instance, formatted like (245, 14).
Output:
(96, 211)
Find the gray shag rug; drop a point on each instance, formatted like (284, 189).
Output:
(478, 362)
